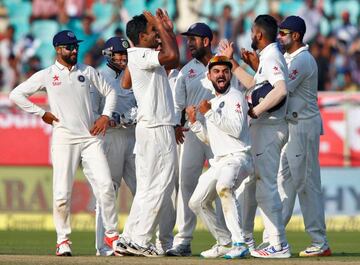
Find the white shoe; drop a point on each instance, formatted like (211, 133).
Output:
(149, 251)
(315, 251)
(113, 243)
(239, 250)
(105, 251)
(63, 249)
(271, 252)
(215, 251)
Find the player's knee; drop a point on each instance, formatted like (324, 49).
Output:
(224, 191)
(195, 205)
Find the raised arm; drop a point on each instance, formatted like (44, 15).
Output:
(227, 49)
(169, 54)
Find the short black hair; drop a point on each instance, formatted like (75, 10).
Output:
(134, 27)
(269, 26)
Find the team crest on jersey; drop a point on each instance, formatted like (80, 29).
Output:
(81, 78)
(191, 73)
(293, 74)
(56, 81)
(222, 104)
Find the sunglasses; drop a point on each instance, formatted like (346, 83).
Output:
(284, 32)
(70, 47)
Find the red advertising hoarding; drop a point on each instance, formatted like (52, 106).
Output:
(25, 139)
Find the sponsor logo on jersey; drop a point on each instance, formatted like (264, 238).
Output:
(81, 78)
(276, 70)
(56, 81)
(191, 73)
(238, 107)
(293, 74)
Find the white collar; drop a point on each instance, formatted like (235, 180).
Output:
(295, 53)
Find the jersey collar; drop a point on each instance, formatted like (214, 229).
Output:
(62, 67)
(295, 53)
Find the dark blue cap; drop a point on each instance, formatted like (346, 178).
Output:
(65, 37)
(116, 44)
(199, 29)
(294, 23)
(260, 93)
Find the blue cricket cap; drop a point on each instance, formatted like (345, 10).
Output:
(65, 37)
(294, 23)
(116, 44)
(199, 29)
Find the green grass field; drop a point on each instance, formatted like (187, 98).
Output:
(34, 247)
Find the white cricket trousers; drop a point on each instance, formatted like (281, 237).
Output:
(246, 196)
(300, 174)
(267, 142)
(119, 149)
(66, 159)
(191, 163)
(222, 179)
(156, 162)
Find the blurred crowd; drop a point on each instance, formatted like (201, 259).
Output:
(27, 28)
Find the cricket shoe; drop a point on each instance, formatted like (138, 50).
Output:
(314, 251)
(215, 251)
(180, 250)
(63, 249)
(151, 251)
(238, 251)
(112, 242)
(271, 252)
(250, 242)
(105, 251)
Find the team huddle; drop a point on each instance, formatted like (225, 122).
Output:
(146, 122)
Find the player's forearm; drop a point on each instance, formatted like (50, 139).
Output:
(169, 52)
(21, 99)
(110, 103)
(274, 97)
(126, 79)
(229, 125)
(245, 78)
(200, 131)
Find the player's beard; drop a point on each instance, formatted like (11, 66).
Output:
(199, 53)
(223, 89)
(255, 44)
(285, 44)
(70, 59)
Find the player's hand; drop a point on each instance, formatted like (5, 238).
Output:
(204, 106)
(164, 17)
(100, 125)
(49, 118)
(252, 112)
(226, 48)
(191, 113)
(250, 58)
(179, 134)
(152, 20)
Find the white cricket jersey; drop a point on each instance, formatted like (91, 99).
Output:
(272, 68)
(302, 84)
(125, 97)
(192, 86)
(69, 99)
(151, 88)
(227, 129)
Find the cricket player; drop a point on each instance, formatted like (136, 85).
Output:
(155, 147)
(75, 135)
(119, 140)
(268, 128)
(299, 172)
(192, 86)
(226, 131)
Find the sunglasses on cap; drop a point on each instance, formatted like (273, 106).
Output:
(284, 32)
(70, 47)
